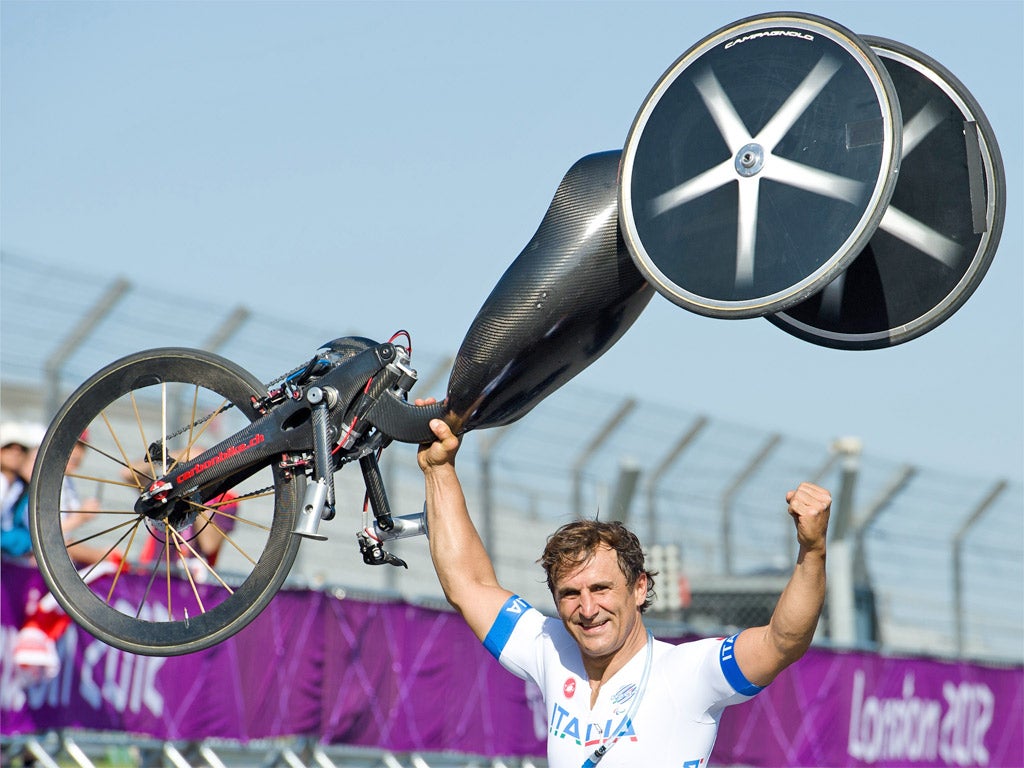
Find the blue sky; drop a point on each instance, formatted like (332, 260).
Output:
(395, 158)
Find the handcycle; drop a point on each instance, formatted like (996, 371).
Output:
(193, 448)
(791, 100)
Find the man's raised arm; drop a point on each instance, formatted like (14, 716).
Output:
(763, 652)
(463, 566)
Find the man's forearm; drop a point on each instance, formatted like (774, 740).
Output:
(795, 618)
(456, 549)
(763, 652)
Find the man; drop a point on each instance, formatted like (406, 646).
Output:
(609, 688)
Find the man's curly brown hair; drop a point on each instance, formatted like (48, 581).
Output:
(574, 544)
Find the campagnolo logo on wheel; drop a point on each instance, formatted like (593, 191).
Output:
(769, 33)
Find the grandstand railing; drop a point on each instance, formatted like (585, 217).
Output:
(936, 561)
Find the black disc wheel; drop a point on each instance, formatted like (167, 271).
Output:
(937, 238)
(759, 165)
(198, 572)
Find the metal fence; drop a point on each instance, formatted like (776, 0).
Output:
(935, 561)
(89, 748)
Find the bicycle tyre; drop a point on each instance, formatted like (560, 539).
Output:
(759, 165)
(130, 395)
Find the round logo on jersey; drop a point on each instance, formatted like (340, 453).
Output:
(569, 688)
(624, 694)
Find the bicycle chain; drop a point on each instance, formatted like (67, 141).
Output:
(229, 406)
(197, 422)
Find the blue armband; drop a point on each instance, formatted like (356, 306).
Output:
(732, 670)
(501, 630)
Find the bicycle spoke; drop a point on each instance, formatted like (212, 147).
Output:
(101, 480)
(120, 566)
(206, 563)
(178, 543)
(185, 454)
(729, 123)
(120, 512)
(224, 534)
(192, 421)
(832, 298)
(699, 185)
(107, 554)
(152, 578)
(193, 439)
(100, 452)
(167, 571)
(919, 126)
(922, 237)
(97, 534)
(746, 231)
(126, 463)
(813, 179)
(797, 103)
(905, 227)
(163, 428)
(240, 519)
(142, 434)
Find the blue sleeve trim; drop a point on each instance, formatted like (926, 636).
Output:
(731, 669)
(501, 630)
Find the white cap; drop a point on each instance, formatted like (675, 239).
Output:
(21, 433)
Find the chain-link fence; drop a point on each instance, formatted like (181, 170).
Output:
(936, 561)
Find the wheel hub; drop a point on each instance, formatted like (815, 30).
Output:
(749, 160)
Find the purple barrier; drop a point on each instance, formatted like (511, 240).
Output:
(855, 709)
(404, 678)
(386, 675)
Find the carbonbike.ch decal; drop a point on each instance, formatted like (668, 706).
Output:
(227, 453)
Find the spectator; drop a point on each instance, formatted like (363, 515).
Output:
(18, 445)
(35, 653)
(76, 510)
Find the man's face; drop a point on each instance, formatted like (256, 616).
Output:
(600, 610)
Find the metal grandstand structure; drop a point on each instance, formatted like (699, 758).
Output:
(942, 555)
(937, 559)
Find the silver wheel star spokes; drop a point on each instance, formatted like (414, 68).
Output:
(900, 224)
(905, 227)
(751, 159)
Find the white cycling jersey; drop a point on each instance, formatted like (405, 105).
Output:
(688, 687)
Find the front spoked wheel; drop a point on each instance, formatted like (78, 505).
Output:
(199, 573)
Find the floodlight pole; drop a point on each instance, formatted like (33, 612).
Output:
(488, 442)
(239, 315)
(851, 601)
(54, 363)
(958, 540)
(663, 466)
(759, 458)
(621, 498)
(600, 437)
